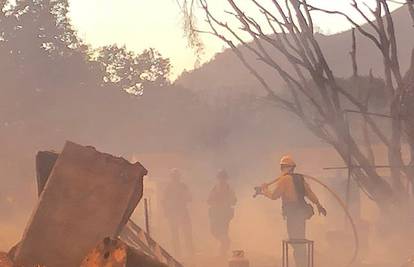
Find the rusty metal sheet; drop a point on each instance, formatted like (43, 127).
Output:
(88, 196)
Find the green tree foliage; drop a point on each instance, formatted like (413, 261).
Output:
(44, 61)
(52, 88)
(131, 72)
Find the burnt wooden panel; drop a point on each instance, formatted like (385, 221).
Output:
(87, 197)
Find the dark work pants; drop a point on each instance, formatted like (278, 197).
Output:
(181, 226)
(296, 229)
(220, 218)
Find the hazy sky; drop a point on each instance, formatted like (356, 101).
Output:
(140, 24)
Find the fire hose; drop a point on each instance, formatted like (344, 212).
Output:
(343, 206)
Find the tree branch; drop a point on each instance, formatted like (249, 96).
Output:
(210, 19)
(410, 5)
(353, 54)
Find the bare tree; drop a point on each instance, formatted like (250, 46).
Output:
(410, 4)
(316, 95)
(408, 111)
(408, 100)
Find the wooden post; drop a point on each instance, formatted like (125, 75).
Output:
(147, 222)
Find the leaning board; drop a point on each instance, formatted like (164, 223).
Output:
(87, 197)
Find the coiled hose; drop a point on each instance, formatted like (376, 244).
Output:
(348, 215)
(344, 207)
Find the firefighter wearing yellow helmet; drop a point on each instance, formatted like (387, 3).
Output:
(293, 189)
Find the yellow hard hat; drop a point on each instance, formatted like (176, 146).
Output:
(175, 172)
(288, 161)
(222, 174)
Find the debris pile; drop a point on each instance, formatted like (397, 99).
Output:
(85, 201)
(115, 253)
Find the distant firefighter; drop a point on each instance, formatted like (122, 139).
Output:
(292, 189)
(221, 201)
(175, 202)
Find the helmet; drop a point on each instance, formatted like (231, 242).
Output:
(222, 174)
(288, 161)
(175, 172)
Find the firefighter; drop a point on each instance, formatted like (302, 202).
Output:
(221, 201)
(175, 201)
(293, 189)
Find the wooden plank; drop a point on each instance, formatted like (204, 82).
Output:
(137, 238)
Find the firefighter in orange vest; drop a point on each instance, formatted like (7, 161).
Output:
(293, 189)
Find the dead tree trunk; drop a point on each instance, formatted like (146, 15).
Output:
(407, 115)
(321, 107)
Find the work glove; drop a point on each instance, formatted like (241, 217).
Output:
(258, 191)
(322, 210)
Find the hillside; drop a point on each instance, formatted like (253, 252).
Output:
(225, 71)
